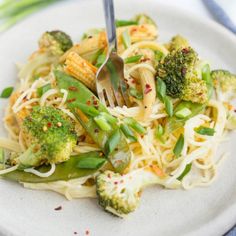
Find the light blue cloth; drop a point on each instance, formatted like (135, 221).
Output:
(224, 11)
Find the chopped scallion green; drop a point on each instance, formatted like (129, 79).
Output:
(134, 125)
(185, 172)
(102, 123)
(179, 146)
(90, 162)
(120, 23)
(183, 113)
(161, 89)
(132, 59)
(128, 133)
(168, 106)
(112, 142)
(6, 93)
(205, 131)
(126, 39)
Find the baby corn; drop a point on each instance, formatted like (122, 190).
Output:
(81, 69)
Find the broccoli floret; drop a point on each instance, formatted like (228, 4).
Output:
(225, 85)
(57, 42)
(144, 19)
(49, 135)
(120, 194)
(177, 42)
(181, 71)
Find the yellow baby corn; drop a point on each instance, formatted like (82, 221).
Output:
(81, 69)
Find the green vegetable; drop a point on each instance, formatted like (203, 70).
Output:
(161, 89)
(206, 76)
(120, 194)
(134, 125)
(177, 42)
(158, 55)
(173, 123)
(183, 113)
(70, 169)
(102, 123)
(205, 131)
(42, 90)
(121, 23)
(50, 135)
(168, 106)
(128, 132)
(111, 119)
(2, 156)
(100, 60)
(225, 85)
(181, 72)
(179, 146)
(56, 42)
(93, 162)
(86, 109)
(185, 172)
(159, 132)
(120, 157)
(91, 32)
(126, 39)
(112, 142)
(135, 93)
(6, 93)
(132, 59)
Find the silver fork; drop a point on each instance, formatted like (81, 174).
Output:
(110, 80)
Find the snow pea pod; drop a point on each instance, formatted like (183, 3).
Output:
(64, 171)
(79, 94)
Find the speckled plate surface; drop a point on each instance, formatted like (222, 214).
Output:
(201, 211)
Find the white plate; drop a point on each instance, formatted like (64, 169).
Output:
(202, 211)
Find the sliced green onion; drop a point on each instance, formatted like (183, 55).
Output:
(43, 89)
(126, 39)
(159, 131)
(86, 109)
(161, 89)
(183, 113)
(132, 59)
(135, 93)
(91, 162)
(128, 133)
(111, 119)
(205, 131)
(112, 142)
(100, 60)
(135, 125)
(185, 172)
(158, 55)
(6, 93)
(102, 123)
(120, 23)
(168, 106)
(179, 146)
(206, 75)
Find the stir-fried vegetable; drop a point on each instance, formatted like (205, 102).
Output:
(120, 156)
(73, 168)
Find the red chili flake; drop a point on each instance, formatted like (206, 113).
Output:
(185, 50)
(96, 130)
(88, 102)
(71, 100)
(145, 59)
(109, 175)
(115, 182)
(133, 81)
(95, 103)
(148, 89)
(145, 107)
(93, 97)
(87, 232)
(49, 124)
(72, 88)
(235, 110)
(58, 208)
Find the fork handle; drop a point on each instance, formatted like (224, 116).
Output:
(108, 6)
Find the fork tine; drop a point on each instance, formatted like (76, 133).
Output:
(110, 95)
